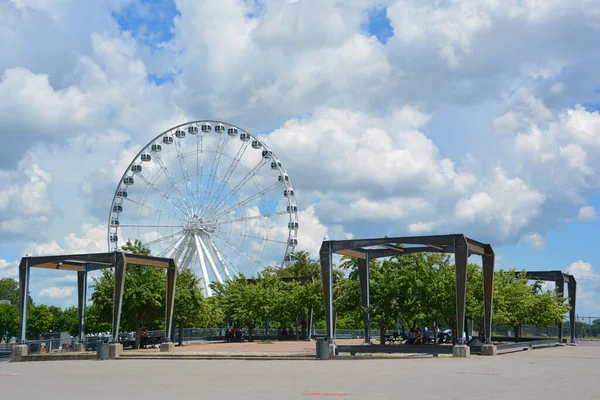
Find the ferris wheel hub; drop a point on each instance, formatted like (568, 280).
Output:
(199, 225)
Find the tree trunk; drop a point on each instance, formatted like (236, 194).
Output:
(138, 331)
(250, 329)
(452, 326)
(303, 329)
(181, 332)
(296, 330)
(517, 333)
(382, 329)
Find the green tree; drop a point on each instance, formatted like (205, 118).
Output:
(248, 302)
(513, 298)
(98, 318)
(188, 300)
(9, 290)
(9, 321)
(294, 301)
(39, 321)
(144, 294)
(386, 298)
(66, 320)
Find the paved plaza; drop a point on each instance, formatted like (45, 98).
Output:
(554, 373)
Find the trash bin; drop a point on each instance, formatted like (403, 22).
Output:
(323, 348)
(102, 351)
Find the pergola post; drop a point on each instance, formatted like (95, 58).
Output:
(488, 291)
(120, 269)
(81, 302)
(326, 256)
(559, 284)
(488, 262)
(461, 258)
(363, 277)
(24, 272)
(572, 287)
(171, 279)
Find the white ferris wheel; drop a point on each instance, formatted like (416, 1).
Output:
(211, 196)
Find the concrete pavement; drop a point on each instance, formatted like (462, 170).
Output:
(549, 374)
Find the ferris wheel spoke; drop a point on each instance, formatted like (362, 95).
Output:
(173, 183)
(148, 226)
(247, 200)
(162, 239)
(199, 167)
(213, 170)
(183, 165)
(261, 216)
(256, 237)
(162, 194)
(238, 187)
(140, 204)
(236, 250)
(228, 173)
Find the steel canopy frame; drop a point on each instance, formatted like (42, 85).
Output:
(559, 278)
(367, 249)
(82, 264)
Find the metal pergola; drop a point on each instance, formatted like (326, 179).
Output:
(559, 278)
(366, 249)
(82, 264)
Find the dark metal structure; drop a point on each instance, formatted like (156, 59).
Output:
(82, 264)
(559, 278)
(367, 249)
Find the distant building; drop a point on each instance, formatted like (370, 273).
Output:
(5, 302)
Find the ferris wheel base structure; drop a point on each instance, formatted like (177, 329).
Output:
(211, 196)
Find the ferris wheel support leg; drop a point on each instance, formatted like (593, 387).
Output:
(181, 252)
(220, 259)
(206, 287)
(175, 248)
(210, 259)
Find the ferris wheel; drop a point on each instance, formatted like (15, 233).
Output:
(211, 196)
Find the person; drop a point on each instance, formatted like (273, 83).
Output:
(425, 334)
(412, 336)
(227, 336)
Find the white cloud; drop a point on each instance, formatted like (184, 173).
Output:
(9, 269)
(508, 204)
(93, 240)
(582, 271)
(72, 278)
(396, 135)
(57, 292)
(421, 227)
(587, 213)
(24, 199)
(557, 87)
(548, 285)
(534, 240)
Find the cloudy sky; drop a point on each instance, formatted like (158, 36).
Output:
(392, 117)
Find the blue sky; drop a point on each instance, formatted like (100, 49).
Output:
(399, 119)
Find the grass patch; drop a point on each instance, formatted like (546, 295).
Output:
(265, 342)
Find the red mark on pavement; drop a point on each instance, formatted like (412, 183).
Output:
(13, 374)
(326, 394)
